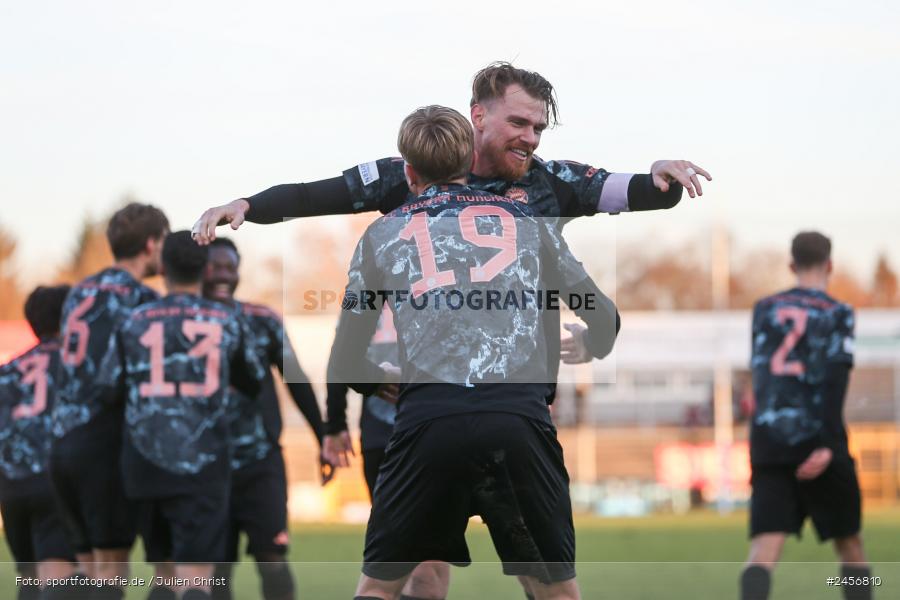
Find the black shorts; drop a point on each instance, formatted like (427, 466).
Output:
(780, 502)
(87, 480)
(34, 529)
(506, 468)
(188, 528)
(372, 460)
(259, 508)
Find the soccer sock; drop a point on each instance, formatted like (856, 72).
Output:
(161, 592)
(195, 594)
(277, 581)
(755, 582)
(856, 592)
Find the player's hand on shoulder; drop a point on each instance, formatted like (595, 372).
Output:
(573, 349)
(336, 450)
(204, 230)
(815, 464)
(684, 172)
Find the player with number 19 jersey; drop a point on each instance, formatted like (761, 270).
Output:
(487, 322)
(473, 433)
(802, 353)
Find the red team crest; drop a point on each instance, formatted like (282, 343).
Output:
(518, 194)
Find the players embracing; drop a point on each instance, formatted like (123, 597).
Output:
(473, 433)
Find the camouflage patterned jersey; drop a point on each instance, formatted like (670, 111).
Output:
(456, 265)
(256, 421)
(555, 188)
(802, 352)
(93, 311)
(377, 417)
(175, 360)
(27, 394)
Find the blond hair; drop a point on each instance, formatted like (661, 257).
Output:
(438, 143)
(491, 82)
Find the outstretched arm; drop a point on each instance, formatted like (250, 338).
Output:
(378, 185)
(301, 391)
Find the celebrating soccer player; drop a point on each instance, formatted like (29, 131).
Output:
(510, 109)
(376, 424)
(174, 359)
(28, 384)
(258, 502)
(473, 430)
(801, 465)
(87, 422)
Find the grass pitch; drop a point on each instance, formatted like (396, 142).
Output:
(696, 556)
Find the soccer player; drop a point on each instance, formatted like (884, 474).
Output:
(28, 383)
(174, 359)
(473, 433)
(87, 423)
(258, 502)
(510, 109)
(376, 424)
(376, 420)
(800, 463)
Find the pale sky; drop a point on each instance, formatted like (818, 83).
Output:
(791, 106)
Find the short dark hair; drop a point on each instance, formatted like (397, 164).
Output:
(224, 242)
(183, 259)
(438, 143)
(810, 249)
(43, 309)
(491, 82)
(132, 225)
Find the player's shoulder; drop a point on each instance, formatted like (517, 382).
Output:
(569, 171)
(114, 281)
(386, 171)
(22, 356)
(259, 312)
(810, 299)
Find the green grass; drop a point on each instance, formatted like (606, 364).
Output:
(694, 556)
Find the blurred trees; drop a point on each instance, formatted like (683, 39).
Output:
(90, 254)
(884, 285)
(10, 291)
(679, 279)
